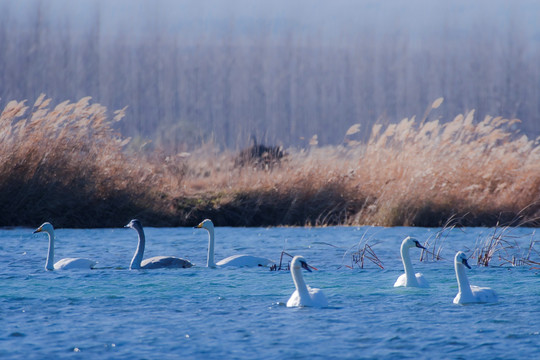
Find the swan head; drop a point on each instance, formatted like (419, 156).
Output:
(461, 259)
(206, 224)
(134, 224)
(412, 242)
(298, 262)
(45, 227)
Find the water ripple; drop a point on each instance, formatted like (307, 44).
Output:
(114, 312)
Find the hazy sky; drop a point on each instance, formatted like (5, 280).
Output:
(329, 20)
(278, 65)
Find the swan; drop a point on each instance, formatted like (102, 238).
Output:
(410, 279)
(304, 295)
(235, 260)
(468, 294)
(64, 264)
(156, 262)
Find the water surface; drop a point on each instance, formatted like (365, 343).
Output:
(115, 313)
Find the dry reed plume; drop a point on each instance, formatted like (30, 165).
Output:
(411, 173)
(69, 164)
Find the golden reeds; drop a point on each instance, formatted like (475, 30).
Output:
(69, 163)
(405, 174)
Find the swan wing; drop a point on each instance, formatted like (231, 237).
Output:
(422, 282)
(401, 281)
(420, 279)
(244, 261)
(457, 299)
(294, 300)
(465, 298)
(318, 299)
(74, 263)
(159, 262)
(479, 295)
(484, 294)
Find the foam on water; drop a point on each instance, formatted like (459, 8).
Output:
(113, 312)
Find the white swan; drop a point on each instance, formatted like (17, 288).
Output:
(304, 295)
(410, 279)
(235, 260)
(470, 293)
(64, 264)
(156, 262)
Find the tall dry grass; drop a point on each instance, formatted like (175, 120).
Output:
(69, 165)
(411, 173)
(423, 174)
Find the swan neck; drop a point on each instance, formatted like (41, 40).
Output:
(463, 280)
(139, 253)
(210, 259)
(49, 265)
(299, 283)
(407, 265)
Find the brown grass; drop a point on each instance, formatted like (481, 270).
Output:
(68, 164)
(406, 174)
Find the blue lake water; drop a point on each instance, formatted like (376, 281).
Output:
(116, 313)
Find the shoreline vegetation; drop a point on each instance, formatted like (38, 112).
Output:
(68, 165)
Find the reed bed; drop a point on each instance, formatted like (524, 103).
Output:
(416, 173)
(68, 164)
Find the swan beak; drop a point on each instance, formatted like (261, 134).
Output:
(418, 245)
(198, 226)
(308, 267)
(464, 262)
(37, 230)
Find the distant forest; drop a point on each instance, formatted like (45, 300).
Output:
(226, 77)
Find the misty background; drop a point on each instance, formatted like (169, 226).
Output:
(191, 72)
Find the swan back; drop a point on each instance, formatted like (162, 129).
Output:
(74, 264)
(467, 293)
(159, 262)
(304, 295)
(245, 261)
